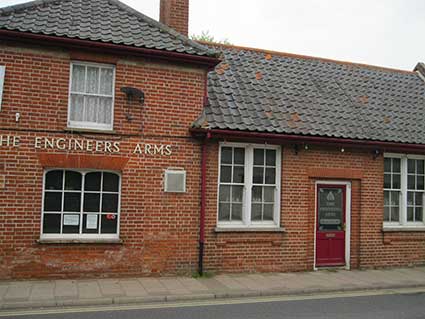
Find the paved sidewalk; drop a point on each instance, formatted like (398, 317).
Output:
(36, 294)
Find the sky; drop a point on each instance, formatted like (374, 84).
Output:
(379, 32)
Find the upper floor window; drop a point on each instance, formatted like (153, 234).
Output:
(91, 96)
(249, 185)
(404, 190)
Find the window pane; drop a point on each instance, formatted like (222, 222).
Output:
(239, 155)
(77, 108)
(92, 80)
(238, 174)
(106, 80)
(92, 181)
(111, 182)
(257, 194)
(237, 194)
(104, 111)
(418, 199)
(410, 198)
(411, 181)
(270, 157)
(395, 198)
(387, 180)
(387, 165)
(78, 78)
(396, 165)
(91, 202)
(269, 194)
(410, 214)
(270, 175)
(411, 166)
(110, 203)
(396, 181)
(256, 211)
(418, 214)
(236, 211)
(224, 193)
(109, 224)
(420, 182)
(224, 212)
(268, 212)
(51, 223)
(72, 202)
(90, 223)
(71, 224)
(225, 174)
(52, 202)
(54, 180)
(420, 166)
(72, 180)
(386, 198)
(226, 155)
(90, 110)
(395, 214)
(258, 156)
(386, 214)
(258, 175)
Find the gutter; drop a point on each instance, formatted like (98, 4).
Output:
(107, 47)
(304, 139)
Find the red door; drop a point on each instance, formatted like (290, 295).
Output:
(330, 231)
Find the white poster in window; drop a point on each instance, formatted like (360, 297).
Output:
(2, 73)
(71, 220)
(91, 222)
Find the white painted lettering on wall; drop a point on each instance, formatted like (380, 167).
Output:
(85, 145)
(153, 149)
(9, 141)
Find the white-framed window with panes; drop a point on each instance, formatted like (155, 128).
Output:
(80, 204)
(249, 185)
(91, 96)
(404, 190)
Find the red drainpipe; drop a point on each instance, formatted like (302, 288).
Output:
(203, 187)
(203, 205)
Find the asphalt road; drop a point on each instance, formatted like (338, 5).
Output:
(393, 306)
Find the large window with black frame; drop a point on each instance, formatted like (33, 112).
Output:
(80, 204)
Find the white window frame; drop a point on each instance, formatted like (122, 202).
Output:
(247, 188)
(404, 224)
(91, 125)
(80, 236)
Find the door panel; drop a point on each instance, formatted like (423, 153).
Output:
(330, 231)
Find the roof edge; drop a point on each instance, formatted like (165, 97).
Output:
(26, 5)
(309, 139)
(305, 57)
(109, 47)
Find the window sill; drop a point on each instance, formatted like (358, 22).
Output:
(250, 230)
(89, 130)
(388, 229)
(80, 241)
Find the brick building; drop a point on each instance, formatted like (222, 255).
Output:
(128, 149)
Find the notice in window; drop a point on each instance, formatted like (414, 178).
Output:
(71, 220)
(91, 222)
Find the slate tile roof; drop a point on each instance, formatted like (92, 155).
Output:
(97, 20)
(254, 90)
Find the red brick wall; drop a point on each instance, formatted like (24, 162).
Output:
(293, 250)
(159, 230)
